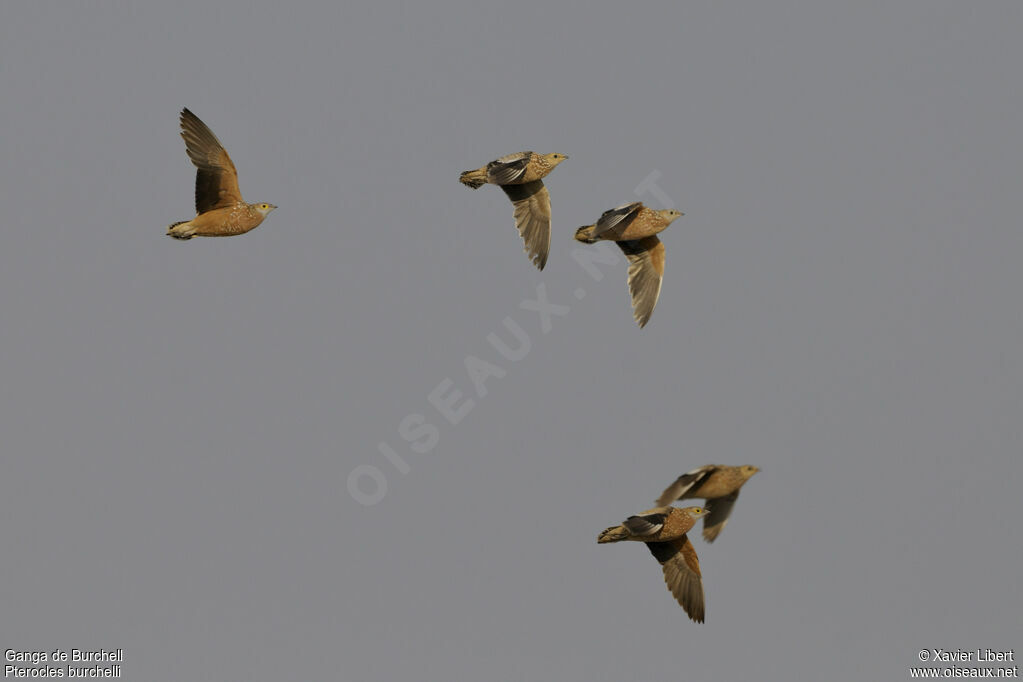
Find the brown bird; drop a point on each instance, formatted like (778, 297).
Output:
(634, 226)
(519, 175)
(664, 529)
(219, 207)
(719, 485)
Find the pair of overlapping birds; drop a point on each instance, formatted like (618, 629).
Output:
(221, 212)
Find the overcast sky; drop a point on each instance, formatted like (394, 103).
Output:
(841, 307)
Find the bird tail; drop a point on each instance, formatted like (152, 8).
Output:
(585, 234)
(613, 534)
(181, 230)
(474, 178)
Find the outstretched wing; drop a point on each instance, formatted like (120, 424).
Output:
(681, 569)
(533, 218)
(646, 271)
(216, 181)
(720, 508)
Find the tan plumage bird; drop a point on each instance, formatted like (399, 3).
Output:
(717, 484)
(219, 207)
(520, 176)
(634, 226)
(664, 529)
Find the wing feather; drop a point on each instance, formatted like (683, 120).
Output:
(681, 568)
(508, 169)
(720, 509)
(617, 219)
(645, 524)
(687, 483)
(216, 180)
(646, 272)
(533, 218)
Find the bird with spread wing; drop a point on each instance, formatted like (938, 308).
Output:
(664, 529)
(219, 207)
(634, 227)
(521, 177)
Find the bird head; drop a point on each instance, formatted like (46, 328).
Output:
(554, 159)
(695, 512)
(671, 214)
(748, 470)
(263, 208)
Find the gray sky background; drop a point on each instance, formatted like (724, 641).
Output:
(841, 307)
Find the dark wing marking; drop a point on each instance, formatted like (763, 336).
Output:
(617, 219)
(508, 169)
(645, 524)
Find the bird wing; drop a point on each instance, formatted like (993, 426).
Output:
(681, 569)
(216, 181)
(720, 508)
(646, 270)
(508, 169)
(684, 485)
(533, 218)
(617, 219)
(647, 523)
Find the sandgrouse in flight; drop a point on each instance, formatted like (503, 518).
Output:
(664, 529)
(219, 207)
(719, 485)
(634, 227)
(520, 176)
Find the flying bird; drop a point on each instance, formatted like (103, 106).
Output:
(520, 176)
(664, 529)
(634, 228)
(219, 207)
(719, 485)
